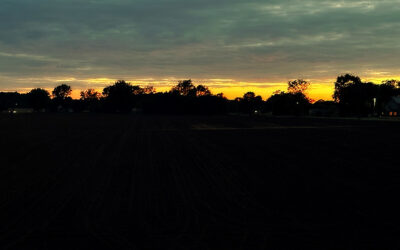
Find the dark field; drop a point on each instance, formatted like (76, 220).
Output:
(88, 181)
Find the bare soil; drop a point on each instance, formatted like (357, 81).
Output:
(102, 181)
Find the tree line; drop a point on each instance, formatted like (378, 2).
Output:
(357, 97)
(351, 96)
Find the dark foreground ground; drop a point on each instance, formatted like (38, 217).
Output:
(87, 181)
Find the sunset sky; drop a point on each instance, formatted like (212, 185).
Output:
(232, 46)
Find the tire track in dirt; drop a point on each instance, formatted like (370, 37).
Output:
(107, 204)
(72, 186)
(215, 190)
(59, 190)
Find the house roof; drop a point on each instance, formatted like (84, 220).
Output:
(396, 99)
(393, 104)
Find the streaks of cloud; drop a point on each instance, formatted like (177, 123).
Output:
(246, 41)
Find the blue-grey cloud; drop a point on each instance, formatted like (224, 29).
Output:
(235, 39)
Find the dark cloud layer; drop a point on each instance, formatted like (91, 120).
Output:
(267, 40)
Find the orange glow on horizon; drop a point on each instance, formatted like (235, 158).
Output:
(324, 92)
(319, 88)
(230, 88)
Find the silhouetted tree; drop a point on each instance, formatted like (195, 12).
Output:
(137, 90)
(250, 103)
(184, 88)
(90, 100)
(184, 98)
(90, 94)
(120, 96)
(221, 95)
(249, 96)
(386, 90)
(62, 92)
(354, 96)
(324, 108)
(202, 90)
(294, 102)
(341, 83)
(210, 104)
(298, 86)
(149, 90)
(392, 82)
(11, 100)
(38, 99)
(61, 98)
(233, 106)
(281, 103)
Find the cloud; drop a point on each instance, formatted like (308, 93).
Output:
(252, 41)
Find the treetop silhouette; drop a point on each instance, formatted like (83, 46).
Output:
(62, 92)
(298, 86)
(38, 98)
(352, 96)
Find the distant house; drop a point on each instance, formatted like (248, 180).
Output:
(392, 107)
(324, 108)
(20, 110)
(136, 110)
(63, 109)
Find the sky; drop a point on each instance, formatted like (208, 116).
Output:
(232, 46)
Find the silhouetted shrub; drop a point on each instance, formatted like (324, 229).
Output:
(39, 99)
(9, 100)
(288, 104)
